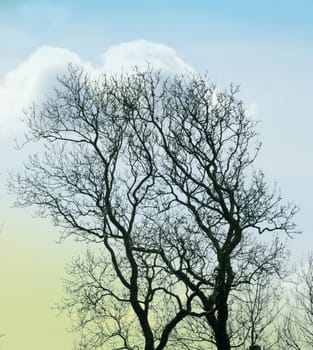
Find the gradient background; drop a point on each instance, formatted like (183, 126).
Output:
(265, 46)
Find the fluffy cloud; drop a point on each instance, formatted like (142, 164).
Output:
(252, 110)
(32, 80)
(141, 52)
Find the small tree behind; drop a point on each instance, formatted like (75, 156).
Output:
(297, 331)
(257, 315)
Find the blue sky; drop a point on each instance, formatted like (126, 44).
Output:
(266, 46)
(86, 26)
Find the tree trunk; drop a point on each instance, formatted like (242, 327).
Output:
(220, 329)
(222, 339)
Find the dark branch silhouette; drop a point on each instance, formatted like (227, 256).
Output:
(159, 171)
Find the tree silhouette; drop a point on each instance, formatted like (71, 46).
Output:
(297, 330)
(159, 171)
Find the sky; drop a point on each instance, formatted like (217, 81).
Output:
(264, 46)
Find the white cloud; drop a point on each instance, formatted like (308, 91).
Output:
(252, 110)
(32, 80)
(141, 52)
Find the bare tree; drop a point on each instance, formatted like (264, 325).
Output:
(101, 307)
(160, 172)
(1, 339)
(297, 332)
(256, 313)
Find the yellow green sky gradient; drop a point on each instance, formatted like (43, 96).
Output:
(264, 46)
(31, 272)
